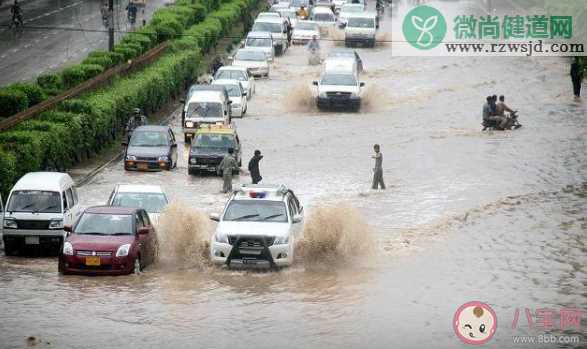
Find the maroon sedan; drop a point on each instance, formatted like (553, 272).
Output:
(108, 240)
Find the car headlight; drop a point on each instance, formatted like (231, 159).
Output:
(281, 240)
(67, 248)
(164, 158)
(131, 157)
(221, 237)
(56, 224)
(322, 95)
(10, 223)
(123, 250)
(189, 124)
(193, 161)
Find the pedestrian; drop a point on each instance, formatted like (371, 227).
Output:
(576, 77)
(254, 167)
(227, 166)
(16, 14)
(378, 170)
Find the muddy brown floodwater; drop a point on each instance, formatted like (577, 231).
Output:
(497, 217)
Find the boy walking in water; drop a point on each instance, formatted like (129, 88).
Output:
(378, 170)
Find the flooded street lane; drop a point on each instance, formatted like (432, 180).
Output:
(497, 217)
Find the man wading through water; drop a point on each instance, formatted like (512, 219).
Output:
(378, 170)
(227, 166)
(254, 167)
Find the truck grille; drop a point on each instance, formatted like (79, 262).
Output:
(251, 242)
(143, 158)
(91, 253)
(32, 225)
(338, 94)
(208, 160)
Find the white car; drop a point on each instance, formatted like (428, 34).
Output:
(253, 60)
(304, 31)
(237, 94)
(276, 26)
(262, 41)
(269, 15)
(339, 90)
(361, 29)
(289, 14)
(323, 16)
(348, 10)
(151, 198)
(237, 73)
(259, 227)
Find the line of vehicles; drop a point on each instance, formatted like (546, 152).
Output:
(259, 225)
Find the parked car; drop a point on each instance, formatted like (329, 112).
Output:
(258, 228)
(151, 148)
(237, 73)
(237, 95)
(304, 32)
(108, 240)
(262, 41)
(38, 206)
(253, 60)
(151, 198)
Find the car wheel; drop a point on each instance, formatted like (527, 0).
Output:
(137, 269)
(186, 139)
(9, 250)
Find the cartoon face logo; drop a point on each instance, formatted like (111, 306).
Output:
(474, 323)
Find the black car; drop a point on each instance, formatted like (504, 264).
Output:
(151, 148)
(209, 147)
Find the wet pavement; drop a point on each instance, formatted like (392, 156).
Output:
(67, 31)
(497, 217)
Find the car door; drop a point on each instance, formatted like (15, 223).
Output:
(173, 144)
(142, 238)
(151, 237)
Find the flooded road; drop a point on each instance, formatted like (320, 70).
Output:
(497, 217)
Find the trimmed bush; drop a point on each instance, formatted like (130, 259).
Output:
(12, 101)
(7, 172)
(104, 61)
(34, 92)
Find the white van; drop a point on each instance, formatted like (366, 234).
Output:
(38, 207)
(262, 41)
(360, 29)
(278, 31)
(206, 104)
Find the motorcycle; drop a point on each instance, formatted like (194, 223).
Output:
(314, 57)
(512, 123)
(136, 120)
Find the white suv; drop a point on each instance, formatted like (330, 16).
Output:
(258, 228)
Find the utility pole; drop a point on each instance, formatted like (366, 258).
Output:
(110, 25)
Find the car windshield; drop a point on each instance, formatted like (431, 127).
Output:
(323, 17)
(150, 202)
(256, 211)
(339, 79)
(250, 56)
(288, 13)
(204, 110)
(104, 224)
(233, 90)
(267, 27)
(299, 3)
(218, 140)
(259, 42)
(231, 75)
(148, 139)
(307, 26)
(351, 8)
(34, 201)
(356, 22)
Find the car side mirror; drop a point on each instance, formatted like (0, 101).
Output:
(229, 101)
(182, 101)
(67, 228)
(124, 143)
(245, 94)
(231, 57)
(144, 231)
(362, 84)
(174, 145)
(315, 83)
(215, 217)
(297, 218)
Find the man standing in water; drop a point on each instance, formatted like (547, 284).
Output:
(254, 167)
(378, 170)
(226, 168)
(576, 77)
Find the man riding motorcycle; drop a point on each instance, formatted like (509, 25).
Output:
(136, 119)
(314, 50)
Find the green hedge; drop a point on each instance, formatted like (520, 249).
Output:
(83, 126)
(12, 101)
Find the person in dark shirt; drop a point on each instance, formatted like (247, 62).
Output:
(576, 77)
(254, 167)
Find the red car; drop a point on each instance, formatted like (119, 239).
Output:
(108, 240)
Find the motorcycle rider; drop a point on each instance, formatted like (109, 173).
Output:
(216, 64)
(16, 14)
(302, 12)
(136, 119)
(314, 45)
(488, 114)
(501, 107)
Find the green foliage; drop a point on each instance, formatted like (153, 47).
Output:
(7, 172)
(104, 61)
(12, 101)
